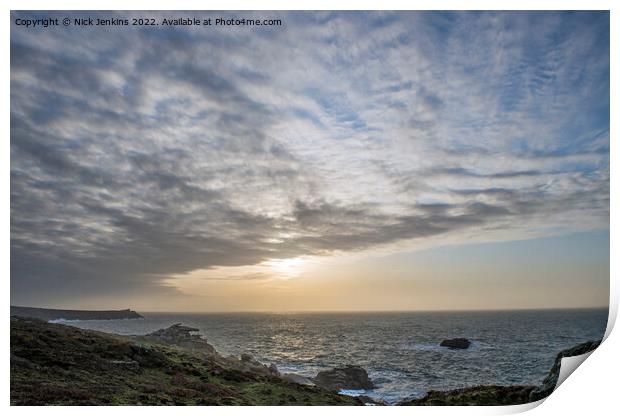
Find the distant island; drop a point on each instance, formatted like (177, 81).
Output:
(72, 315)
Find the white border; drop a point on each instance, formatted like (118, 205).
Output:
(590, 390)
(312, 5)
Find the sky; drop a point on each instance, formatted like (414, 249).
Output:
(339, 161)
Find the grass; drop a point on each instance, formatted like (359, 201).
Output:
(53, 364)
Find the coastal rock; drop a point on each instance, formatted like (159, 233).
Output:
(248, 364)
(296, 378)
(273, 369)
(456, 343)
(549, 383)
(369, 401)
(350, 378)
(182, 336)
(474, 396)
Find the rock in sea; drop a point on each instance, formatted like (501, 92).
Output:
(456, 343)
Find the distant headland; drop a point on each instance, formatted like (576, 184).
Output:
(70, 315)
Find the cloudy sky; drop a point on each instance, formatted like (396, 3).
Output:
(340, 161)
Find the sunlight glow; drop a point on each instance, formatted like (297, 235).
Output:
(286, 268)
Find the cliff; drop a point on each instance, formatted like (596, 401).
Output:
(548, 384)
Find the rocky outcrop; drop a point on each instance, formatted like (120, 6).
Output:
(369, 401)
(249, 364)
(72, 315)
(273, 369)
(181, 336)
(184, 336)
(350, 377)
(474, 396)
(456, 343)
(549, 383)
(296, 378)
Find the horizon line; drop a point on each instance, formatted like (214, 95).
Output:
(560, 308)
(385, 310)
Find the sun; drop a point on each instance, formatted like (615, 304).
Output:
(286, 268)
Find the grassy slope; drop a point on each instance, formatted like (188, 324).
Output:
(57, 364)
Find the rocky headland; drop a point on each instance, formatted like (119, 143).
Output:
(72, 315)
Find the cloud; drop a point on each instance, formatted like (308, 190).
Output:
(139, 154)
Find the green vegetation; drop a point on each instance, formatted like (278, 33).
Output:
(55, 364)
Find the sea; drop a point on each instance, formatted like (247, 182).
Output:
(400, 350)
